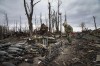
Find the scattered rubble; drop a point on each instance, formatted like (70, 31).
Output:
(49, 51)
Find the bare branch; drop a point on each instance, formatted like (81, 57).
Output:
(60, 3)
(36, 2)
(26, 9)
(32, 6)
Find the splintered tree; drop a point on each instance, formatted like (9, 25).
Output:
(46, 21)
(41, 18)
(95, 23)
(65, 18)
(16, 26)
(29, 13)
(59, 4)
(35, 20)
(82, 25)
(35, 24)
(57, 29)
(53, 20)
(6, 22)
(49, 16)
(60, 24)
(20, 25)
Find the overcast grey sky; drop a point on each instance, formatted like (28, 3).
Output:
(77, 11)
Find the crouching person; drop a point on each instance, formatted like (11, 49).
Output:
(68, 31)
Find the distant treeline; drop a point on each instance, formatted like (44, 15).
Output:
(6, 33)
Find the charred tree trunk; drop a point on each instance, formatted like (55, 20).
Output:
(20, 25)
(30, 27)
(61, 25)
(95, 23)
(82, 25)
(49, 16)
(35, 25)
(53, 20)
(59, 4)
(41, 18)
(58, 17)
(65, 18)
(46, 21)
(57, 29)
(16, 26)
(35, 22)
(6, 23)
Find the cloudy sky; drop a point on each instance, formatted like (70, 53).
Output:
(77, 11)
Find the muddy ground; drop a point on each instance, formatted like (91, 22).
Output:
(81, 52)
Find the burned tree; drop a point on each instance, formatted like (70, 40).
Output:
(29, 13)
(60, 24)
(49, 16)
(94, 22)
(65, 17)
(57, 29)
(35, 30)
(16, 26)
(6, 18)
(53, 20)
(20, 25)
(35, 20)
(40, 18)
(58, 14)
(82, 25)
(46, 21)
